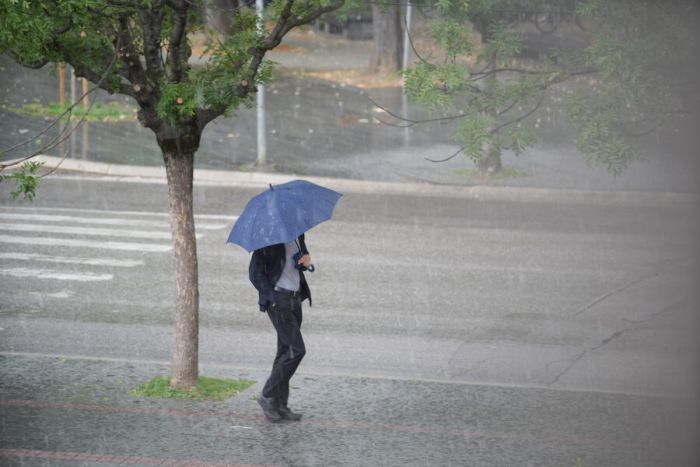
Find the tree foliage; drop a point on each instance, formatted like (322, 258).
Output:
(141, 48)
(150, 40)
(26, 180)
(636, 52)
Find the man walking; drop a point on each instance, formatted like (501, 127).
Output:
(276, 271)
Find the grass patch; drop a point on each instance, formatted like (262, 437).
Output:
(109, 112)
(246, 167)
(207, 389)
(505, 174)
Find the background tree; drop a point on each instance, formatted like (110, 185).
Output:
(639, 54)
(219, 14)
(140, 48)
(387, 31)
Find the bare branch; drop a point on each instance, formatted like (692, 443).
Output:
(655, 123)
(65, 113)
(65, 153)
(448, 158)
(519, 119)
(512, 104)
(413, 47)
(410, 121)
(63, 135)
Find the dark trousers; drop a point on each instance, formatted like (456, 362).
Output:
(285, 314)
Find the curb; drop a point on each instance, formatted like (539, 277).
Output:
(204, 177)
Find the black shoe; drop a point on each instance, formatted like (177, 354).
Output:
(287, 414)
(269, 408)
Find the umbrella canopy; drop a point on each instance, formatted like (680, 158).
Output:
(282, 213)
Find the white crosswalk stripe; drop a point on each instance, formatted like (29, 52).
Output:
(100, 245)
(85, 237)
(120, 263)
(102, 221)
(120, 233)
(121, 213)
(49, 274)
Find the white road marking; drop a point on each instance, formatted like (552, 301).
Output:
(101, 220)
(105, 245)
(59, 229)
(61, 294)
(62, 276)
(221, 217)
(48, 223)
(122, 263)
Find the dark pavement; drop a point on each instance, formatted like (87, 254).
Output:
(58, 411)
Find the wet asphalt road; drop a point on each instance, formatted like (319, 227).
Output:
(544, 294)
(513, 301)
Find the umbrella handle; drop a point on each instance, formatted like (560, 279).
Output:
(311, 268)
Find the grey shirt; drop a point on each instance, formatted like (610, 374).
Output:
(290, 274)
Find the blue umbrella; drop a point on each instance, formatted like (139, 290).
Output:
(282, 213)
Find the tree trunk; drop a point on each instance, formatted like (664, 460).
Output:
(490, 161)
(219, 15)
(179, 167)
(386, 24)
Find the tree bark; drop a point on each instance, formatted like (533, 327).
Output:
(220, 14)
(386, 24)
(490, 160)
(179, 167)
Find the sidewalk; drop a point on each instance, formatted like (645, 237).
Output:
(260, 180)
(78, 412)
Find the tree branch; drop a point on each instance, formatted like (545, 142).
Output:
(448, 158)
(122, 3)
(410, 121)
(309, 17)
(175, 44)
(512, 104)
(151, 25)
(62, 136)
(282, 27)
(519, 119)
(34, 65)
(656, 123)
(483, 74)
(68, 112)
(128, 53)
(413, 47)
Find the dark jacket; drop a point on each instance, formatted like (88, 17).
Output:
(265, 269)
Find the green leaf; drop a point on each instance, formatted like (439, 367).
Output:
(26, 180)
(474, 134)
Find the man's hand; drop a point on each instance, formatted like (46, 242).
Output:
(305, 261)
